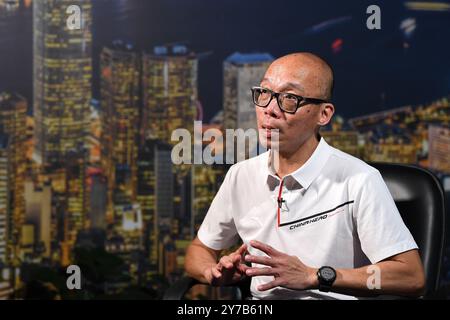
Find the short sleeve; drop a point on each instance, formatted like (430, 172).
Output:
(380, 227)
(218, 230)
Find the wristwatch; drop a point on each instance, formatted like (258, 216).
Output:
(326, 276)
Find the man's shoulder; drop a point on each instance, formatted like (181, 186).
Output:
(350, 165)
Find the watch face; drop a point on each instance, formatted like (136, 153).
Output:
(328, 274)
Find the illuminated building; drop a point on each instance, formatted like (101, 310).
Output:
(181, 247)
(437, 112)
(62, 79)
(27, 236)
(155, 193)
(76, 193)
(171, 254)
(346, 141)
(403, 135)
(29, 144)
(4, 199)
(70, 203)
(38, 212)
(439, 148)
(170, 102)
(366, 123)
(27, 242)
(120, 121)
(98, 193)
(342, 138)
(126, 239)
(241, 73)
(57, 180)
(93, 143)
(389, 136)
(13, 109)
(6, 290)
(207, 181)
(391, 150)
(167, 257)
(169, 81)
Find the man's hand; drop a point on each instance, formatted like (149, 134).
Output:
(289, 271)
(229, 270)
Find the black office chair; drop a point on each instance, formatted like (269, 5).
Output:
(419, 197)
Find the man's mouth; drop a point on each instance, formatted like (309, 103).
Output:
(269, 127)
(269, 130)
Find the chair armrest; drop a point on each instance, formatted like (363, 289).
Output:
(178, 290)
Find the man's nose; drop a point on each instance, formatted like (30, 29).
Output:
(273, 109)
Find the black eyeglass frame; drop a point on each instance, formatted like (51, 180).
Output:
(301, 101)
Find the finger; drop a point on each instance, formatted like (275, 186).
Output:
(216, 273)
(235, 259)
(256, 272)
(243, 268)
(226, 262)
(264, 248)
(260, 260)
(270, 285)
(242, 249)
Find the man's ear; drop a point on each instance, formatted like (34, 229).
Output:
(326, 113)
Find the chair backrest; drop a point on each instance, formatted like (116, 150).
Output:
(419, 197)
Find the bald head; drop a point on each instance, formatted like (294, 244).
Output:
(313, 73)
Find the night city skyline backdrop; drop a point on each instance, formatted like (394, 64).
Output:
(86, 117)
(397, 69)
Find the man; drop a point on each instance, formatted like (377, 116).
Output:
(323, 224)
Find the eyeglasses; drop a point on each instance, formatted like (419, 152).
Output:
(288, 102)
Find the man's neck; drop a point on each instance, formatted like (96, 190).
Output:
(289, 162)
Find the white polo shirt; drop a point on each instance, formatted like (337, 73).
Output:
(337, 212)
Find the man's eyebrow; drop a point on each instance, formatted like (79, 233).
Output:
(287, 85)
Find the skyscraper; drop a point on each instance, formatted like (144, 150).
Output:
(61, 78)
(76, 196)
(120, 121)
(125, 240)
(207, 181)
(170, 92)
(97, 193)
(155, 194)
(170, 102)
(38, 212)
(70, 204)
(4, 198)
(241, 72)
(13, 111)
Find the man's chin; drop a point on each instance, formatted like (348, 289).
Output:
(269, 136)
(269, 143)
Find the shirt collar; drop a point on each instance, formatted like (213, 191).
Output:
(307, 173)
